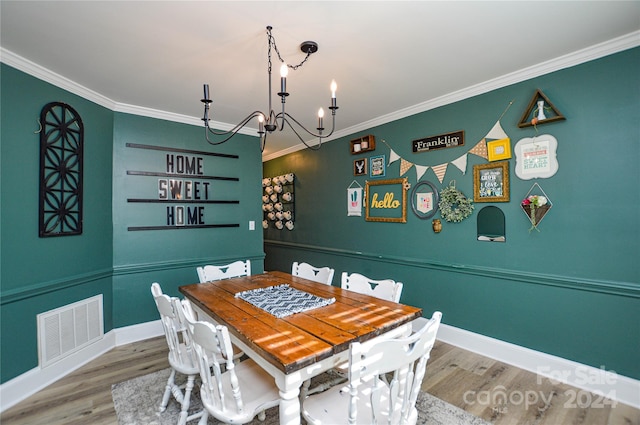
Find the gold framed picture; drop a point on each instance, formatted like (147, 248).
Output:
(499, 149)
(386, 200)
(491, 182)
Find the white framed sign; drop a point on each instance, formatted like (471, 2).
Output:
(536, 157)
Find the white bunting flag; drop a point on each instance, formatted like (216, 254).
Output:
(420, 170)
(496, 132)
(393, 156)
(461, 163)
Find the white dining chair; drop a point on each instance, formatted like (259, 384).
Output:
(387, 289)
(210, 273)
(230, 392)
(317, 274)
(385, 377)
(182, 358)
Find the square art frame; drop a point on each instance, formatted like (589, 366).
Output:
(360, 167)
(386, 200)
(499, 149)
(491, 182)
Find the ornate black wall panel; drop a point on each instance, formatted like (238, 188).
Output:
(61, 170)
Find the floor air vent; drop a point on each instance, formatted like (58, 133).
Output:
(67, 329)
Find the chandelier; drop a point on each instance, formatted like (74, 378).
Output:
(272, 121)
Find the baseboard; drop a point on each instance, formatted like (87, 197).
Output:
(594, 380)
(21, 387)
(29, 383)
(619, 388)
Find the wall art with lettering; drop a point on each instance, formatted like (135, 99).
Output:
(377, 166)
(536, 157)
(386, 200)
(448, 140)
(491, 182)
(183, 188)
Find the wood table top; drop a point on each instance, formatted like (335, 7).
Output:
(299, 340)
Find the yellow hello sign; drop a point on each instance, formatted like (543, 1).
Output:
(386, 200)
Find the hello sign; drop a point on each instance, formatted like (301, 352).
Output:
(386, 200)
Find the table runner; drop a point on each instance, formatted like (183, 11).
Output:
(282, 300)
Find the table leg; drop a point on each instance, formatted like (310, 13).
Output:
(289, 402)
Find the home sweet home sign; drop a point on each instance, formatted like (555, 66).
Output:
(184, 189)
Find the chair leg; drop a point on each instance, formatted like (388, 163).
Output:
(186, 400)
(167, 391)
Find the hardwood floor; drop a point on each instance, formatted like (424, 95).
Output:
(464, 379)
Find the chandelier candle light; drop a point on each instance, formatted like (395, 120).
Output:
(271, 121)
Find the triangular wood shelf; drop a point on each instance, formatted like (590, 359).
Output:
(525, 121)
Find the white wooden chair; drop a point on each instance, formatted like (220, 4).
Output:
(386, 289)
(182, 357)
(317, 274)
(232, 393)
(369, 398)
(210, 273)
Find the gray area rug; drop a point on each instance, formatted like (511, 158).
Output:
(136, 402)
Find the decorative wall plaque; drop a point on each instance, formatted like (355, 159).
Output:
(61, 153)
(448, 140)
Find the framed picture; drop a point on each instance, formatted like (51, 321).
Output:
(536, 157)
(499, 149)
(491, 182)
(360, 167)
(386, 200)
(377, 166)
(424, 200)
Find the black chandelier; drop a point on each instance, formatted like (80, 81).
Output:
(268, 123)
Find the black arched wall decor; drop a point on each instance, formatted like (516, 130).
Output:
(61, 153)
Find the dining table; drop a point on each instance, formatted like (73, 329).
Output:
(298, 346)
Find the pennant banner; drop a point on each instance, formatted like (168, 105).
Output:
(480, 149)
(440, 171)
(420, 170)
(404, 166)
(496, 132)
(461, 163)
(393, 156)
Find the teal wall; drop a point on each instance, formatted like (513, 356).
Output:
(40, 274)
(571, 290)
(170, 257)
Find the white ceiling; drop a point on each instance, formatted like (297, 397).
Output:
(390, 58)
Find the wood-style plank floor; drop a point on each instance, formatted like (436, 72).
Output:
(464, 379)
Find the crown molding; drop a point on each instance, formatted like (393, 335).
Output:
(597, 51)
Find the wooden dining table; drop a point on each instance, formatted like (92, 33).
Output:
(295, 348)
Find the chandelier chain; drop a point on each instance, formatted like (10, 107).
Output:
(272, 41)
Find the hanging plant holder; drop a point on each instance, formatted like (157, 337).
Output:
(536, 213)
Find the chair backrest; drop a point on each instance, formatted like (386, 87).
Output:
(221, 390)
(387, 289)
(390, 372)
(317, 274)
(181, 355)
(210, 273)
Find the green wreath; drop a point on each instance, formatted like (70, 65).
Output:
(454, 206)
